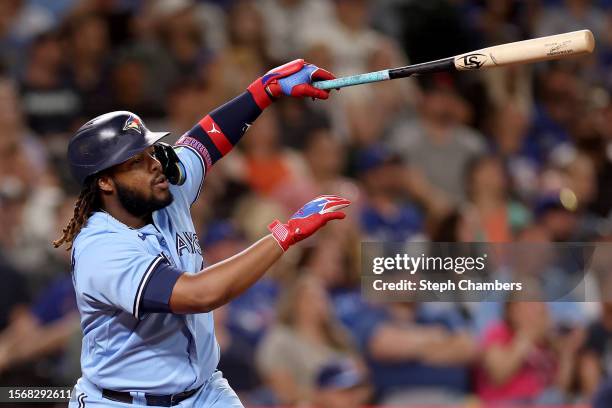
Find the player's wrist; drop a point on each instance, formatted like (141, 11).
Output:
(281, 234)
(261, 94)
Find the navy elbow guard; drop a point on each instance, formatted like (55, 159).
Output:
(171, 164)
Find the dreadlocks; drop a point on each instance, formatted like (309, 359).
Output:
(85, 205)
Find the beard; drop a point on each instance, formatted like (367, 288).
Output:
(139, 206)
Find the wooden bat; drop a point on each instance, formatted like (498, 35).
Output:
(558, 46)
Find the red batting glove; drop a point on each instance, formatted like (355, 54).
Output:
(292, 79)
(308, 219)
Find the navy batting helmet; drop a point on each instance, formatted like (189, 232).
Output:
(106, 141)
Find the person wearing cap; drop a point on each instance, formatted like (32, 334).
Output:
(384, 216)
(144, 296)
(305, 336)
(437, 142)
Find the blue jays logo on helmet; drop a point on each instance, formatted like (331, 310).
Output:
(133, 123)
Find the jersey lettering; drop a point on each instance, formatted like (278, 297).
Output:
(187, 241)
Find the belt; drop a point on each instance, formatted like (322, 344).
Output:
(152, 400)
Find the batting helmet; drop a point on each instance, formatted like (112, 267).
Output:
(106, 141)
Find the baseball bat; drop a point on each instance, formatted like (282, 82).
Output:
(520, 52)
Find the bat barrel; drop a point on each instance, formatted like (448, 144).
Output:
(538, 49)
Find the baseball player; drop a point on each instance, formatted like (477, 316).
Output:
(144, 298)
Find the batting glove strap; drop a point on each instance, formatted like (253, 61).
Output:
(281, 234)
(263, 98)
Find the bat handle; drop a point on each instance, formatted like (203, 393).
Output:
(353, 80)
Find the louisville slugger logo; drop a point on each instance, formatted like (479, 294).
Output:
(470, 61)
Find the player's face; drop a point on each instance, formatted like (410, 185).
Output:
(140, 185)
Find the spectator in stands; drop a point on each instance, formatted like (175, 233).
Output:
(348, 36)
(326, 159)
(369, 112)
(130, 79)
(13, 199)
(181, 38)
(524, 360)
(237, 357)
(580, 185)
(488, 190)
(500, 22)
(456, 226)
(305, 337)
(556, 274)
(50, 103)
(559, 94)
(595, 360)
(300, 120)
(272, 170)
(18, 140)
(557, 216)
(29, 186)
(438, 136)
(287, 22)
(416, 355)
(507, 126)
(21, 22)
(385, 216)
(571, 15)
(88, 50)
(41, 332)
(331, 261)
(187, 98)
(244, 55)
(14, 295)
(38, 335)
(390, 101)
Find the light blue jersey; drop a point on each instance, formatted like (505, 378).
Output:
(119, 274)
(135, 350)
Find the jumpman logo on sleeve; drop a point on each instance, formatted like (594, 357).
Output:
(214, 129)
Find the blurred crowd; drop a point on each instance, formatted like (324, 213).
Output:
(515, 154)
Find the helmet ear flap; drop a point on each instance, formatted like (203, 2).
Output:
(171, 164)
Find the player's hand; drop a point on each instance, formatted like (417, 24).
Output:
(295, 79)
(308, 219)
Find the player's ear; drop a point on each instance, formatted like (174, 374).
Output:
(106, 184)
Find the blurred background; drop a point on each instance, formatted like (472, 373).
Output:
(515, 154)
